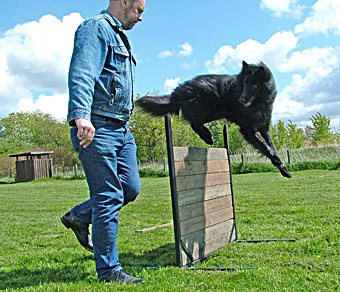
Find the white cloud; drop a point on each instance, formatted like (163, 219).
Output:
(170, 84)
(186, 50)
(189, 65)
(320, 58)
(55, 105)
(323, 19)
(273, 53)
(315, 89)
(35, 58)
(280, 7)
(165, 54)
(314, 86)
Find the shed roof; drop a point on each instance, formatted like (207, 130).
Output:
(31, 154)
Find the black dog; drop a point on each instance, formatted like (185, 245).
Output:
(245, 99)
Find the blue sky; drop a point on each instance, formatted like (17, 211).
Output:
(177, 40)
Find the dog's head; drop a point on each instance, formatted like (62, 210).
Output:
(257, 84)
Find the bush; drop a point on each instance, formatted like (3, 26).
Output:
(149, 172)
(238, 168)
(78, 176)
(322, 165)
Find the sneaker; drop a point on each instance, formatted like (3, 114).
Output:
(81, 230)
(122, 277)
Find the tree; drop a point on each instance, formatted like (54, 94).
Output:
(149, 135)
(296, 137)
(21, 132)
(321, 132)
(183, 135)
(279, 134)
(237, 143)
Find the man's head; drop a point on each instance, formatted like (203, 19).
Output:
(128, 12)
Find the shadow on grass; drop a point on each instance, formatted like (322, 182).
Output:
(29, 278)
(160, 257)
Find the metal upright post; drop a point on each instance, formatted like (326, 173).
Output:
(226, 146)
(173, 188)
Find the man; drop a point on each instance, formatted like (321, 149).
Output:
(101, 78)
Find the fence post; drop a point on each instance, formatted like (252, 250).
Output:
(243, 161)
(288, 157)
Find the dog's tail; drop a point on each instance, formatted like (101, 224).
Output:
(158, 105)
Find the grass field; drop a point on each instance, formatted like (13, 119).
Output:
(38, 254)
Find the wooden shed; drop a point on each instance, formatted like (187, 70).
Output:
(33, 165)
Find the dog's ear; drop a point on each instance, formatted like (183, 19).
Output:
(245, 67)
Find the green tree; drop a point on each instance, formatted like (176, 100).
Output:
(237, 143)
(321, 132)
(183, 135)
(149, 134)
(279, 134)
(21, 132)
(15, 139)
(296, 137)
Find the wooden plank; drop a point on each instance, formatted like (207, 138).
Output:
(198, 209)
(183, 168)
(41, 168)
(206, 248)
(152, 228)
(191, 153)
(204, 235)
(192, 196)
(201, 180)
(206, 220)
(199, 250)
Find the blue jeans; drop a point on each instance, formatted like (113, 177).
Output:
(111, 170)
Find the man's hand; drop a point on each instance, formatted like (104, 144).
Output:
(85, 131)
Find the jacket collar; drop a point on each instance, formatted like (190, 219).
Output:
(114, 21)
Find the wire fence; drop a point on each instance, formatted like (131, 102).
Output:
(324, 153)
(289, 156)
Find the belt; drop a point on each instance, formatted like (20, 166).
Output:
(123, 123)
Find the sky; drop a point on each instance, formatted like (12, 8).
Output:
(299, 40)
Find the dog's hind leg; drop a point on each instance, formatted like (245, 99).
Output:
(260, 143)
(203, 132)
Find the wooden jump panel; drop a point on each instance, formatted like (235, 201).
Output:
(204, 198)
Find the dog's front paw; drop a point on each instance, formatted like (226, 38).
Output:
(208, 140)
(284, 171)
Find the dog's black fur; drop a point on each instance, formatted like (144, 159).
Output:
(245, 99)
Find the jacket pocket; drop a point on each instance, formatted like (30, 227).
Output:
(120, 57)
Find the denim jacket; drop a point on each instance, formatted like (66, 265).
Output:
(101, 73)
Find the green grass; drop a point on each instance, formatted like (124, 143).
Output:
(38, 254)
